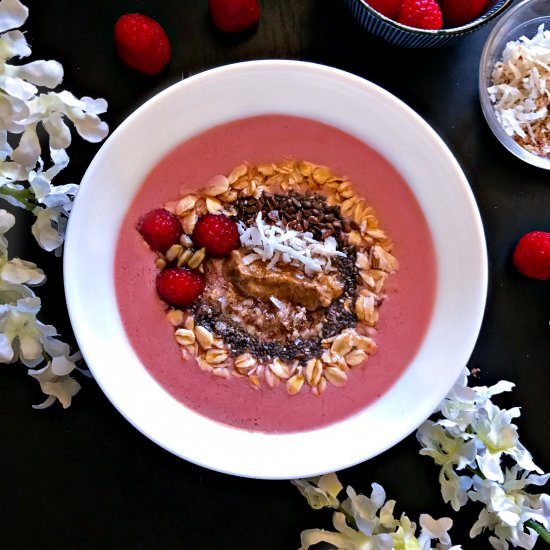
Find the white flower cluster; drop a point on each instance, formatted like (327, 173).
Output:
(29, 105)
(368, 523)
(470, 443)
(31, 113)
(22, 336)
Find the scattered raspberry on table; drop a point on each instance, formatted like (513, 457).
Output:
(142, 43)
(532, 255)
(180, 286)
(234, 15)
(160, 229)
(460, 12)
(422, 14)
(217, 233)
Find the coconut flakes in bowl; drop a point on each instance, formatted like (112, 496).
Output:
(520, 92)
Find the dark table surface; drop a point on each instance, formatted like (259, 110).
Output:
(84, 477)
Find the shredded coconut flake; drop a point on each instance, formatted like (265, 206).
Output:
(521, 91)
(274, 243)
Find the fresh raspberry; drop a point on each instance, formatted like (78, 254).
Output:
(422, 14)
(234, 15)
(141, 43)
(532, 255)
(459, 12)
(160, 229)
(217, 233)
(180, 286)
(389, 8)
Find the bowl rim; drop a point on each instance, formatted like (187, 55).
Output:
(85, 310)
(489, 54)
(500, 6)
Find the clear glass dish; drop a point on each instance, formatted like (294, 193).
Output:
(521, 20)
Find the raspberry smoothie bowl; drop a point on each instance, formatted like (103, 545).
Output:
(275, 273)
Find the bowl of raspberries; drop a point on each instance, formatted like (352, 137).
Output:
(424, 23)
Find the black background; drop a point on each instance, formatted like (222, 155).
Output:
(85, 478)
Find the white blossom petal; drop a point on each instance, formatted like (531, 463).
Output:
(49, 228)
(12, 14)
(94, 106)
(40, 73)
(7, 221)
(498, 544)
(10, 293)
(13, 44)
(19, 271)
(90, 127)
(6, 350)
(30, 347)
(63, 388)
(311, 537)
(63, 365)
(320, 492)
(12, 172)
(17, 88)
(48, 402)
(28, 151)
(58, 131)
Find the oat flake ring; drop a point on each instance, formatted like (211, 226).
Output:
(297, 300)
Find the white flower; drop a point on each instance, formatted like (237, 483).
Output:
(454, 488)
(19, 271)
(28, 104)
(368, 523)
(474, 435)
(10, 292)
(49, 228)
(15, 271)
(461, 406)
(12, 14)
(59, 197)
(320, 492)
(24, 108)
(55, 381)
(23, 337)
(10, 172)
(444, 448)
(20, 335)
(508, 506)
(494, 429)
(449, 452)
(7, 221)
(52, 107)
(435, 528)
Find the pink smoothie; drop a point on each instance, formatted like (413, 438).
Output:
(404, 316)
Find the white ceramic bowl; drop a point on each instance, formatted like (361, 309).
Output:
(355, 106)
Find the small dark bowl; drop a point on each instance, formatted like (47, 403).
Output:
(410, 37)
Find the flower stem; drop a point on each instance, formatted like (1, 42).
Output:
(539, 529)
(24, 196)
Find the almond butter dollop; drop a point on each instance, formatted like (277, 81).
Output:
(284, 282)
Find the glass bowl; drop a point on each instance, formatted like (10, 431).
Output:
(410, 37)
(522, 20)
